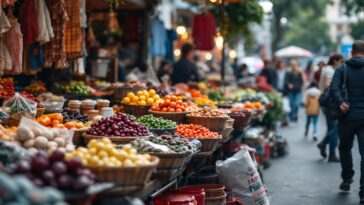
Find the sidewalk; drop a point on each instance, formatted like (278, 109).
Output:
(303, 177)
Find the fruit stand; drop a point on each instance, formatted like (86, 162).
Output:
(145, 143)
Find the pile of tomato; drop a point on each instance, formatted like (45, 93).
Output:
(195, 131)
(170, 103)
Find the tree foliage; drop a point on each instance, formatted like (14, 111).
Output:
(357, 30)
(351, 6)
(301, 15)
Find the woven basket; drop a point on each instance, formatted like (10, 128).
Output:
(168, 131)
(14, 120)
(241, 121)
(114, 139)
(209, 145)
(137, 110)
(226, 133)
(126, 176)
(178, 117)
(77, 136)
(121, 92)
(40, 111)
(211, 123)
(172, 161)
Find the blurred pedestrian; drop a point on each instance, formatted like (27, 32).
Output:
(352, 105)
(185, 70)
(269, 73)
(281, 75)
(294, 84)
(309, 73)
(318, 72)
(242, 71)
(164, 71)
(332, 136)
(312, 109)
(203, 68)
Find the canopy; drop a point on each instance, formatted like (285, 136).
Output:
(293, 51)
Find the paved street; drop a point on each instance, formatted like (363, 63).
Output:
(304, 177)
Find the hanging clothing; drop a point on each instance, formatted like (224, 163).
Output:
(73, 31)
(54, 51)
(5, 59)
(83, 16)
(204, 32)
(171, 37)
(5, 3)
(14, 43)
(158, 38)
(4, 22)
(29, 24)
(44, 22)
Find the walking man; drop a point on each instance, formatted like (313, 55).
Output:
(352, 123)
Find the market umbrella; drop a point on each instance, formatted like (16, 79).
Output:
(221, 4)
(293, 51)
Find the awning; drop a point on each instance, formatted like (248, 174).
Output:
(293, 51)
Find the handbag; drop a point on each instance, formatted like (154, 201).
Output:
(329, 104)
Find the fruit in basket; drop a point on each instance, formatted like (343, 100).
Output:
(74, 87)
(152, 122)
(170, 104)
(36, 86)
(174, 144)
(195, 131)
(103, 153)
(50, 97)
(119, 125)
(144, 97)
(208, 112)
(51, 120)
(201, 102)
(71, 115)
(131, 84)
(61, 173)
(6, 88)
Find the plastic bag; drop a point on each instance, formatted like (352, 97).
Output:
(286, 105)
(240, 175)
(20, 104)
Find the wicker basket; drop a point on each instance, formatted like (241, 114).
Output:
(114, 139)
(77, 136)
(168, 131)
(14, 120)
(40, 111)
(178, 117)
(121, 92)
(211, 123)
(137, 110)
(241, 121)
(172, 161)
(209, 144)
(126, 176)
(226, 133)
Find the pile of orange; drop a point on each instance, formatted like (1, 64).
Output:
(51, 120)
(195, 131)
(170, 103)
(253, 106)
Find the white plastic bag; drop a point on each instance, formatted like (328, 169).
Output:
(240, 175)
(286, 106)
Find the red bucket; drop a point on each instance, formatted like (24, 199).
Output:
(175, 199)
(197, 192)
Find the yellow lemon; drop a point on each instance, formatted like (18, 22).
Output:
(130, 95)
(126, 100)
(135, 99)
(152, 92)
(142, 102)
(139, 93)
(150, 101)
(142, 97)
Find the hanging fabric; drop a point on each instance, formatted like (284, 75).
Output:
(29, 22)
(5, 3)
(14, 43)
(158, 38)
(204, 31)
(4, 22)
(73, 31)
(54, 51)
(171, 38)
(44, 22)
(83, 16)
(5, 59)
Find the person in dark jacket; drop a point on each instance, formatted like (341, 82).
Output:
(185, 70)
(294, 84)
(269, 73)
(352, 123)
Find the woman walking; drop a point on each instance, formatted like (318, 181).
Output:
(294, 85)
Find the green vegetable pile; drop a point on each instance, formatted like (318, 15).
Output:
(152, 122)
(275, 113)
(74, 87)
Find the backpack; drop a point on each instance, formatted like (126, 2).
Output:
(329, 104)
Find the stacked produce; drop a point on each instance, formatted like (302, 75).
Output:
(104, 153)
(71, 115)
(36, 86)
(170, 103)
(152, 122)
(131, 84)
(144, 97)
(7, 134)
(32, 98)
(19, 190)
(208, 112)
(50, 97)
(195, 131)
(171, 144)
(74, 87)
(55, 171)
(119, 125)
(18, 104)
(201, 102)
(11, 153)
(102, 85)
(33, 136)
(51, 120)
(6, 88)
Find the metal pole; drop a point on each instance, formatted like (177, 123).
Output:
(223, 59)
